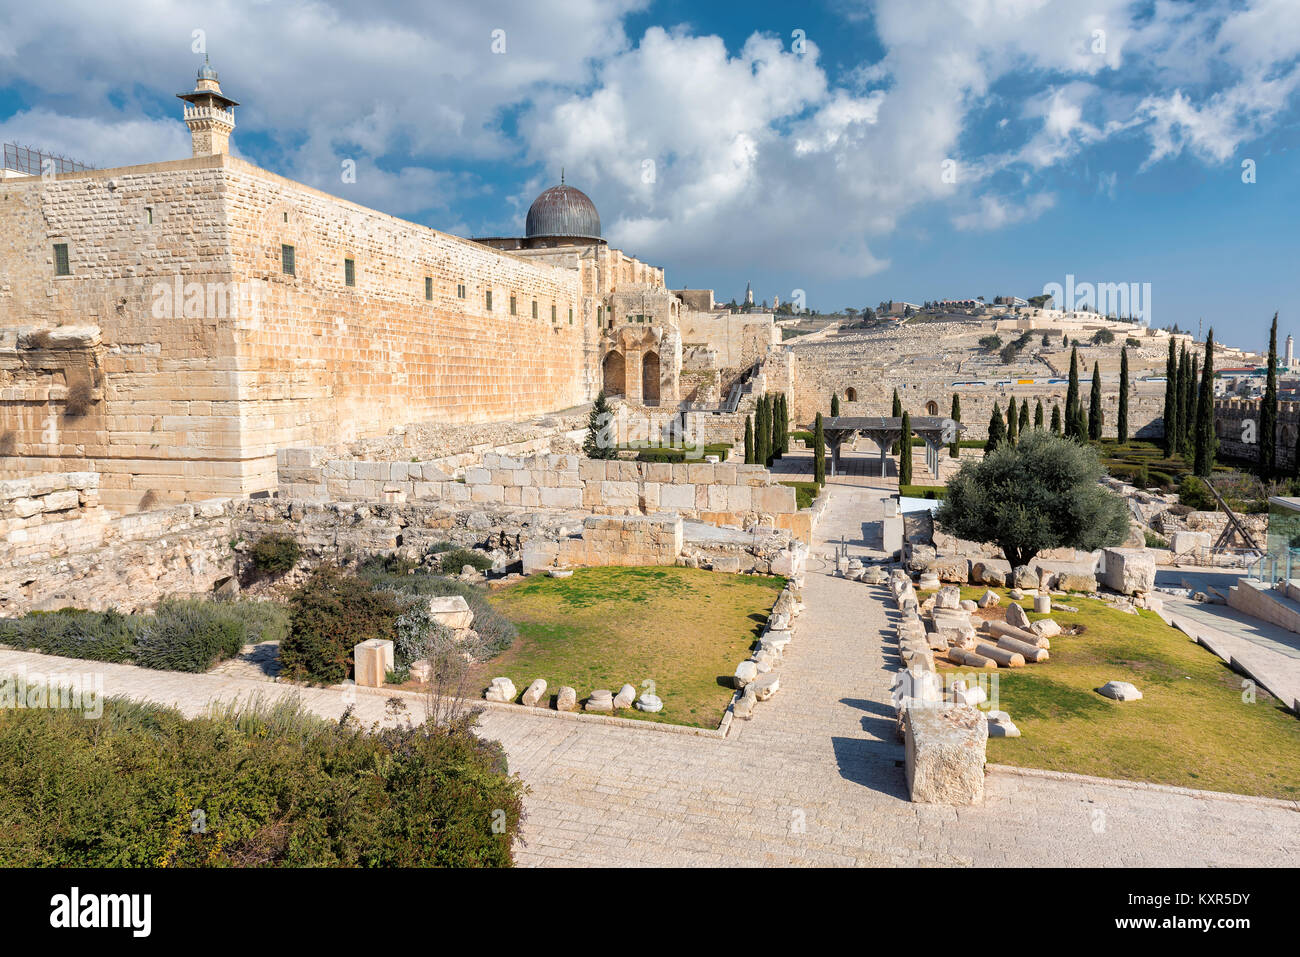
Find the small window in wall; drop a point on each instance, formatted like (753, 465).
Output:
(428, 287)
(460, 289)
(570, 315)
(600, 315)
(514, 311)
(534, 308)
(61, 265)
(552, 312)
(286, 217)
(349, 272)
(286, 260)
(148, 215)
(487, 300)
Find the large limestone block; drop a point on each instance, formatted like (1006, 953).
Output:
(1184, 542)
(1016, 616)
(1130, 571)
(746, 672)
(625, 697)
(945, 753)
(371, 661)
(451, 611)
(1120, 691)
(989, 572)
(948, 597)
(1072, 581)
(566, 699)
(501, 689)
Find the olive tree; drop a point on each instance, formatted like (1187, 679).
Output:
(1039, 494)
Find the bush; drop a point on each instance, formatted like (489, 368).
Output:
(189, 635)
(74, 633)
(804, 493)
(275, 553)
(496, 631)
(330, 613)
(1193, 493)
(1153, 540)
(454, 559)
(923, 491)
(277, 787)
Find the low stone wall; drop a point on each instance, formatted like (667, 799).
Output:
(43, 515)
(624, 540)
(99, 561)
(722, 494)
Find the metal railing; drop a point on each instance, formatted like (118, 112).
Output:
(24, 159)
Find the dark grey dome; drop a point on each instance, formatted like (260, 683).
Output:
(563, 211)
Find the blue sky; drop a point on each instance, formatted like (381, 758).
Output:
(858, 151)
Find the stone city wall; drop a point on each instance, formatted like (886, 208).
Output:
(740, 339)
(1236, 422)
(197, 391)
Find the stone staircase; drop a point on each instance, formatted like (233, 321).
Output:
(1279, 605)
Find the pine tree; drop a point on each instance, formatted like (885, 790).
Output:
(1012, 422)
(1038, 414)
(1094, 404)
(819, 452)
(1056, 419)
(598, 444)
(1171, 400)
(905, 459)
(997, 430)
(1072, 397)
(954, 449)
(835, 405)
(749, 440)
(1024, 417)
(1206, 440)
(1268, 411)
(1121, 420)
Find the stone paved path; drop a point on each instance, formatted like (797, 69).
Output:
(813, 779)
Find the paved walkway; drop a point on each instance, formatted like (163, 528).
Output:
(815, 778)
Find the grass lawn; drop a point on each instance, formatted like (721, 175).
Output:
(683, 629)
(1191, 727)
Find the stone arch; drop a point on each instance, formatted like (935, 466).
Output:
(650, 378)
(850, 395)
(615, 374)
(932, 408)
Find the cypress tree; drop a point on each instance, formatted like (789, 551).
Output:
(749, 440)
(1065, 340)
(1094, 404)
(776, 427)
(1072, 397)
(896, 411)
(1189, 419)
(1012, 420)
(997, 430)
(1171, 400)
(905, 460)
(1206, 440)
(1056, 419)
(785, 423)
(1268, 411)
(954, 449)
(835, 404)
(1024, 417)
(819, 452)
(1121, 421)
(1038, 414)
(762, 432)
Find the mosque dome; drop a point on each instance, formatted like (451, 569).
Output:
(563, 211)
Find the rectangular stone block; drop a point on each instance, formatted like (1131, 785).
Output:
(371, 660)
(945, 752)
(558, 497)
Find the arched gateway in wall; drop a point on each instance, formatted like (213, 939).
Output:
(615, 374)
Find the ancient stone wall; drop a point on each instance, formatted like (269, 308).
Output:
(741, 339)
(213, 356)
(723, 494)
(1236, 422)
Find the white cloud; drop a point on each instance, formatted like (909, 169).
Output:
(994, 212)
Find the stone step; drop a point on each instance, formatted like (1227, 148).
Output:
(1258, 600)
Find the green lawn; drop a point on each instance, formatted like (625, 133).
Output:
(683, 629)
(1191, 727)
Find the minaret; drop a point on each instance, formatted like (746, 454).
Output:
(209, 114)
(749, 295)
(1290, 354)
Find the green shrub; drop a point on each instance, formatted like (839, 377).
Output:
(496, 631)
(330, 613)
(275, 553)
(276, 787)
(453, 560)
(804, 493)
(1155, 541)
(1193, 493)
(922, 491)
(188, 635)
(74, 633)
